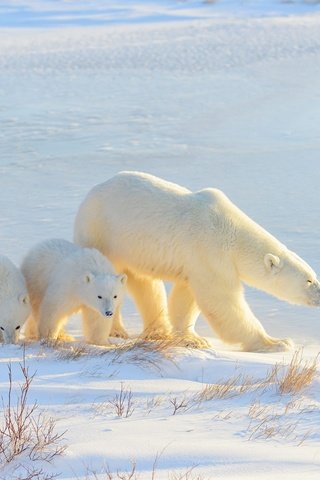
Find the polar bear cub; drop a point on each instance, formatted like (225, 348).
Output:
(14, 301)
(63, 279)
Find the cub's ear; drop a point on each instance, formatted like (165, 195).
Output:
(272, 263)
(123, 278)
(24, 299)
(88, 277)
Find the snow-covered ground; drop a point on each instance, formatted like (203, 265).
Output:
(229, 97)
(48, 13)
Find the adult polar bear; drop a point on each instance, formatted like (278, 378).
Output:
(154, 230)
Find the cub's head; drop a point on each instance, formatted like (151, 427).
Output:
(103, 292)
(14, 312)
(292, 279)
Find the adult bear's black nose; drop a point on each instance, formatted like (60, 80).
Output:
(108, 313)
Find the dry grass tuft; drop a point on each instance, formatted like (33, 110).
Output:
(232, 387)
(298, 375)
(54, 344)
(275, 421)
(153, 403)
(292, 378)
(164, 347)
(270, 421)
(73, 352)
(138, 351)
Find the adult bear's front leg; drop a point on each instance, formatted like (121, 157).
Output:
(183, 313)
(151, 300)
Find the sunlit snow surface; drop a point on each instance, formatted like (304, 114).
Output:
(227, 98)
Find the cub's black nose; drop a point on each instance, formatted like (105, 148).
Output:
(108, 313)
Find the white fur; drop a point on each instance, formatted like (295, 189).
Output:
(154, 230)
(63, 279)
(14, 301)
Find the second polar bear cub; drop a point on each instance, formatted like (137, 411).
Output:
(14, 301)
(62, 279)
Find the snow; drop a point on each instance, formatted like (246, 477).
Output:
(52, 13)
(228, 97)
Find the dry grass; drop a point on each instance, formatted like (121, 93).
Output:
(280, 421)
(153, 403)
(296, 376)
(138, 351)
(275, 420)
(271, 421)
(132, 474)
(145, 353)
(25, 430)
(289, 378)
(232, 387)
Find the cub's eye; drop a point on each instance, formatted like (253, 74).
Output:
(2, 329)
(115, 296)
(309, 282)
(17, 328)
(99, 296)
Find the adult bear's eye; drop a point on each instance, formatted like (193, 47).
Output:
(99, 296)
(17, 328)
(2, 329)
(115, 296)
(309, 282)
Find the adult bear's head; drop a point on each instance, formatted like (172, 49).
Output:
(290, 278)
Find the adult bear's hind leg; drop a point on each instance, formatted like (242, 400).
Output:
(232, 319)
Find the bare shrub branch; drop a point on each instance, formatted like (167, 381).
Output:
(132, 474)
(25, 430)
(122, 404)
(179, 404)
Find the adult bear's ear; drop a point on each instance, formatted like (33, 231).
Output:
(123, 278)
(88, 277)
(272, 263)
(24, 299)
